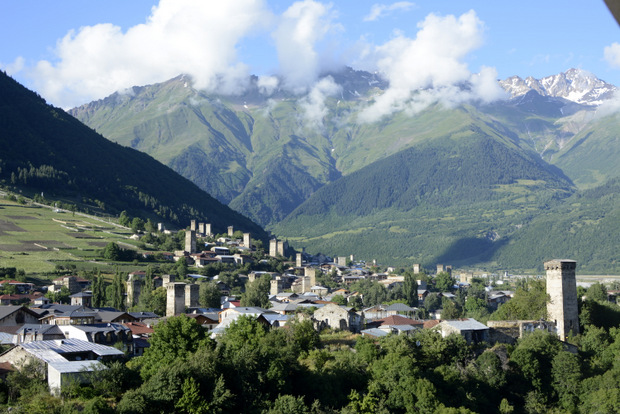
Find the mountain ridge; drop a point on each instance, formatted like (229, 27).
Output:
(46, 149)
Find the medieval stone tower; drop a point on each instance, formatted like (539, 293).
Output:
(190, 241)
(562, 290)
(134, 287)
(175, 299)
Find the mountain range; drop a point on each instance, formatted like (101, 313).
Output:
(461, 184)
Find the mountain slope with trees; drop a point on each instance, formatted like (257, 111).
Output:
(47, 150)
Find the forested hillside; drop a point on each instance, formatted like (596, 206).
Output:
(46, 150)
(457, 198)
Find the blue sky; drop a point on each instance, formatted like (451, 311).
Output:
(114, 44)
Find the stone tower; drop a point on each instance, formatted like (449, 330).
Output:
(247, 240)
(273, 247)
(416, 268)
(201, 229)
(231, 231)
(190, 241)
(208, 229)
(298, 260)
(192, 295)
(175, 299)
(133, 291)
(310, 273)
(192, 225)
(562, 290)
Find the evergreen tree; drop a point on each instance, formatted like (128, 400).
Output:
(410, 290)
(99, 298)
(118, 298)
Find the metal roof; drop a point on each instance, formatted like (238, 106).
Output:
(467, 325)
(43, 349)
(65, 367)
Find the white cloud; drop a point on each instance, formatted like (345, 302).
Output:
(313, 104)
(381, 10)
(431, 67)
(267, 85)
(301, 27)
(195, 37)
(14, 67)
(612, 55)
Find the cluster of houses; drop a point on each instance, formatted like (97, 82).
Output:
(70, 340)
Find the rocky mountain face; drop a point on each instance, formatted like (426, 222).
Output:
(574, 85)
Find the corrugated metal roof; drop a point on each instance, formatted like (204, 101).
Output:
(75, 366)
(376, 332)
(467, 325)
(66, 346)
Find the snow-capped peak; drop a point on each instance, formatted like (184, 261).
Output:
(575, 85)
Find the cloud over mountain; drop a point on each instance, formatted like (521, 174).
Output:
(202, 39)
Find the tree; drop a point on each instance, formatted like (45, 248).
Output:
(432, 302)
(98, 299)
(137, 225)
(209, 295)
(450, 310)
(597, 292)
(257, 292)
(410, 290)
(175, 338)
(444, 282)
(528, 303)
(118, 289)
(123, 219)
(112, 252)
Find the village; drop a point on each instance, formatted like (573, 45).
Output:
(72, 339)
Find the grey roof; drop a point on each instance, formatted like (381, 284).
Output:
(143, 315)
(399, 307)
(10, 309)
(6, 338)
(76, 366)
(102, 327)
(52, 350)
(82, 295)
(284, 307)
(39, 329)
(375, 332)
(466, 325)
(107, 316)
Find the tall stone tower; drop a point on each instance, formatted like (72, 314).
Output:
(192, 225)
(562, 290)
(298, 260)
(247, 240)
(190, 241)
(273, 247)
(231, 231)
(175, 299)
(192, 291)
(133, 291)
(208, 229)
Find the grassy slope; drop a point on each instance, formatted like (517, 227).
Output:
(35, 239)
